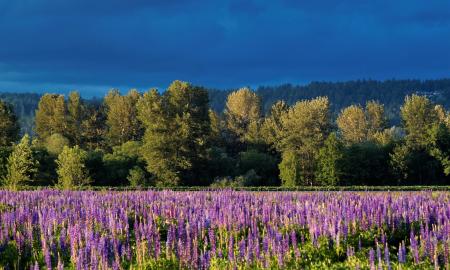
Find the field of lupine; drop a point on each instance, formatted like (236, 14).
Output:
(224, 230)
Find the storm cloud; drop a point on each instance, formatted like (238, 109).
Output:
(92, 46)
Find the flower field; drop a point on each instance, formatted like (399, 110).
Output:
(224, 230)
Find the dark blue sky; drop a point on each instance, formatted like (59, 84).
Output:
(61, 45)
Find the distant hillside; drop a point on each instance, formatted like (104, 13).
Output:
(342, 94)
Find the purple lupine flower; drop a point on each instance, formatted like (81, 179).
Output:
(231, 248)
(242, 249)
(414, 247)
(387, 257)
(372, 259)
(401, 253)
(295, 244)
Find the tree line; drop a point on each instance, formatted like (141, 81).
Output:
(174, 138)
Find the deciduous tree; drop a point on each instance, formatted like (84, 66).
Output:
(177, 131)
(51, 116)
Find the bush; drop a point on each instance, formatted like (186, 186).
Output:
(137, 177)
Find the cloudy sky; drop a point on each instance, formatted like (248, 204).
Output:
(92, 46)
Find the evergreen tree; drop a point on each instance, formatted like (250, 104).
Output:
(9, 127)
(71, 169)
(21, 165)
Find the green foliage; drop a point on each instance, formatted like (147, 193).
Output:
(72, 172)
(419, 116)
(122, 121)
(51, 116)
(366, 163)
(263, 165)
(9, 126)
(188, 143)
(305, 126)
(415, 165)
(55, 143)
(272, 125)
(329, 171)
(9, 256)
(137, 177)
(177, 130)
(93, 128)
(4, 154)
(219, 163)
(21, 165)
(290, 169)
(75, 115)
(46, 171)
(242, 112)
(358, 125)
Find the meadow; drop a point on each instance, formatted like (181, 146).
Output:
(224, 229)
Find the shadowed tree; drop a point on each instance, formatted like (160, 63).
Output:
(9, 127)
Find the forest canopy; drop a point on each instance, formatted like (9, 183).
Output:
(351, 133)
